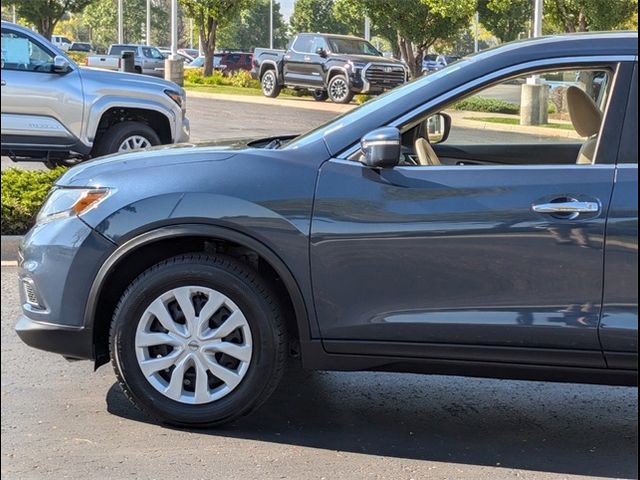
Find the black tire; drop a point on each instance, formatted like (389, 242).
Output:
(320, 95)
(111, 140)
(138, 70)
(269, 84)
(248, 291)
(338, 89)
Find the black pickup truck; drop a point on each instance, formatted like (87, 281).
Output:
(331, 66)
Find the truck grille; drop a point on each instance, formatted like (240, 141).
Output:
(385, 76)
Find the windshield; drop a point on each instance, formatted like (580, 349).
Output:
(430, 58)
(371, 106)
(351, 46)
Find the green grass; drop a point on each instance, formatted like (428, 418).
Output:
(516, 121)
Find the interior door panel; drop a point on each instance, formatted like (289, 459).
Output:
(534, 154)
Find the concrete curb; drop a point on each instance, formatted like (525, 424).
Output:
(304, 103)
(9, 247)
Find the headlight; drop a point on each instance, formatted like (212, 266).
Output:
(178, 98)
(68, 202)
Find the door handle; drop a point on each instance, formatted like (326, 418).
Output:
(307, 59)
(568, 208)
(3, 83)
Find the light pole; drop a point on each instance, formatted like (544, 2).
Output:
(120, 22)
(367, 29)
(148, 35)
(173, 66)
(271, 24)
(534, 94)
(475, 33)
(13, 11)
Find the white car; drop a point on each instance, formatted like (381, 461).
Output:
(62, 42)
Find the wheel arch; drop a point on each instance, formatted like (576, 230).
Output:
(154, 245)
(269, 65)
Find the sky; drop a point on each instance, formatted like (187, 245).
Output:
(286, 8)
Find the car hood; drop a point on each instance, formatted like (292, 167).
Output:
(126, 80)
(92, 173)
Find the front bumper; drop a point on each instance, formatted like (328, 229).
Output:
(184, 131)
(71, 342)
(58, 264)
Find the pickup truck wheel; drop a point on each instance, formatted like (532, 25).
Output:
(126, 136)
(320, 95)
(198, 340)
(269, 84)
(338, 90)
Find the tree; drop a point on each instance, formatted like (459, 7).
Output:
(419, 24)
(45, 14)
(252, 28)
(315, 16)
(99, 21)
(589, 15)
(506, 19)
(209, 15)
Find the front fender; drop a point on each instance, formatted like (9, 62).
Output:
(103, 104)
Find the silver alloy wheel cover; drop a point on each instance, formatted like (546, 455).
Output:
(338, 89)
(194, 344)
(134, 142)
(268, 83)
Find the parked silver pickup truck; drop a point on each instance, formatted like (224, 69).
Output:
(148, 60)
(56, 112)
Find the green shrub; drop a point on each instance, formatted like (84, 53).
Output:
(78, 57)
(242, 78)
(491, 105)
(23, 192)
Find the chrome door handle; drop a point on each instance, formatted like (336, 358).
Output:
(307, 59)
(569, 207)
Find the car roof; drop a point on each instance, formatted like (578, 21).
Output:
(333, 35)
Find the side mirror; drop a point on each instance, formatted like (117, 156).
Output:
(60, 65)
(437, 128)
(321, 51)
(381, 148)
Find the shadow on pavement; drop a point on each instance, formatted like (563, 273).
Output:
(560, 428)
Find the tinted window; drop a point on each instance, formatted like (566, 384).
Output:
(352, 46)
(304, 44)
(118, 49)
(19, 52)
(150, 52)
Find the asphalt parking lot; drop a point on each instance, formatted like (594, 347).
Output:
(62, 420)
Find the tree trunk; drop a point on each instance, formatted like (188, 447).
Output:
(45, 28)
(208, 41)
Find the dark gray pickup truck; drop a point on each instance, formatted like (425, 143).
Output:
(331, 66)
(396, 237)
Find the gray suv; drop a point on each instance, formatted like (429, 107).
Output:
(375, 242)
(56, 112)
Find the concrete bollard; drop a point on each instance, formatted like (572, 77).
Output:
(128, 62)
(533, 104)
(174, 70)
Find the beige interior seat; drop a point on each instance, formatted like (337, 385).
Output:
(426, 155)
(586, 118)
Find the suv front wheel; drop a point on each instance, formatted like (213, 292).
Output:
(124, 137)
(198, 340)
